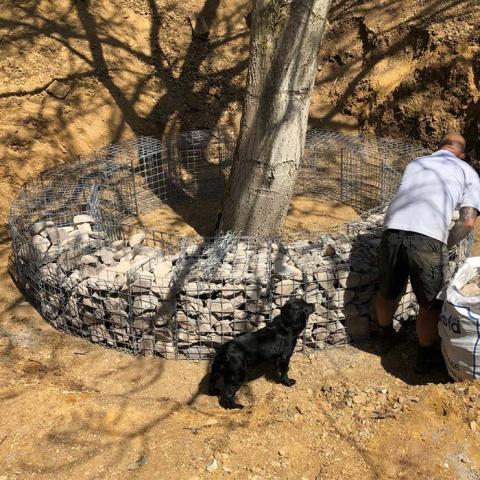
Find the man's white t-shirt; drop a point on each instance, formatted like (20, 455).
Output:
(431, 188)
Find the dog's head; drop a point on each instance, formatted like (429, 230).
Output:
(294, 315)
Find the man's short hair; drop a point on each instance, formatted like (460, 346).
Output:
(454, 140)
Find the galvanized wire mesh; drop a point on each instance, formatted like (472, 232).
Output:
(86, 263)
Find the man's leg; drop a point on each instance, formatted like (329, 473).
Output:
(385, 309)
(427, 327)
(428, 259)
(393, 278)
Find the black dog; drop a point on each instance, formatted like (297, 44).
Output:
(273, 344)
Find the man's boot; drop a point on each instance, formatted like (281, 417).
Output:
(428, 358)
(386, 340)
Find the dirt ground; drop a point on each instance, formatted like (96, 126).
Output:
(69, 409)
(306, 214)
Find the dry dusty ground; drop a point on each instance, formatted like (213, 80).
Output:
(69, 409)
(306, 214)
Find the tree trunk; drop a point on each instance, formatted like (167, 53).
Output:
(285, 38)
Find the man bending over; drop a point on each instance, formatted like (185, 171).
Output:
(416, 240)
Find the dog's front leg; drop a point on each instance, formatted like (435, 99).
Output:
(228, 398)
(282, 366)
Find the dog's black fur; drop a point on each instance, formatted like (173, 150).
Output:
(273, 344)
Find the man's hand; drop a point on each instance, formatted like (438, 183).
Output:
(463, 226)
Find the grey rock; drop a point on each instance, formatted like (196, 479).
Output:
(220, 306)
(120, 335)
(39, 227)
(83, 218)
(53, 253)
(120, 267)
(72, 306)
(162, 318)
(84, 228)
(98, 235)
(136, 239)
(145, 251)
(82, 288)
(142, 284)
(165, 349)
(196, 352)
(105, 255)
(258, 307)
(59, 89)
(337, 338)
(320, 334)
(240, 315)
(205, 323)
(144, 303)
(40, 243)
(287, 286)
(195, 289)
(116, 305)
(342, 276)
(118, 244)
(73, 279)
(241, 326)
(315, 296)
(186, 323)
(216, 340)
(92, 316)
(223, 327)
(185, 338)
(192, 305)
(336, 299)
(91, 260)
(162, 269)
(53, 234)
(237, 301)
(229, 290)
(122, 253)
(283, 267)
(281, 301)
(119, 318)
(146, 345)
(144, 322)
(326, 279)
(62, 233)
(320, 319)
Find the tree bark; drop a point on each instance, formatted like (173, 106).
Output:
(285, 38)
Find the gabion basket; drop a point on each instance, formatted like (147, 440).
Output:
(83, 259)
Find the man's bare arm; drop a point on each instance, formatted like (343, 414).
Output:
(463, 226)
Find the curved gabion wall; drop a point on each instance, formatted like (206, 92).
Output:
(84, 262)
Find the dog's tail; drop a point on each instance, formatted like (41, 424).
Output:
(217, 371)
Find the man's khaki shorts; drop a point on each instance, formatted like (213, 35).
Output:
(408, 254)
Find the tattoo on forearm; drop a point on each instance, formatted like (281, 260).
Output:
(461, 228)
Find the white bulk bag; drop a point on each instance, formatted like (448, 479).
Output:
(459, 325)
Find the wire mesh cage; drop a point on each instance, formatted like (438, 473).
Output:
(85, 261)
